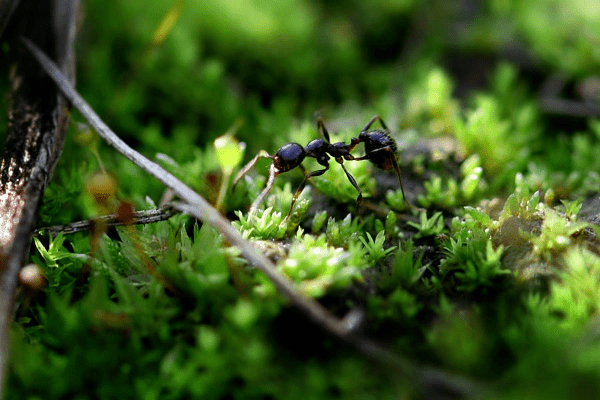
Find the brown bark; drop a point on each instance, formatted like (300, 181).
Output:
(38, 118)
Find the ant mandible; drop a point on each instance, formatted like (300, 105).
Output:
(380, 149)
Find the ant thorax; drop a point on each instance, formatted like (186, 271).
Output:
(318, 149)
(340, 149)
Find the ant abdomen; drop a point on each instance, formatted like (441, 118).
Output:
(288, 157)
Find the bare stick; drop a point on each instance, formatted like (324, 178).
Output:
(136, 218)
(198, 207)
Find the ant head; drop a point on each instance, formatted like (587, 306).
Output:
(364, 136)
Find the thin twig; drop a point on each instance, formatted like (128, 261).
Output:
(136, 218)
(197, 206)
(552, 103)
(573, 108)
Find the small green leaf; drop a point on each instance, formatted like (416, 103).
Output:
(229, 151)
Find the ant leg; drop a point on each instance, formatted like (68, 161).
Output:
(397, 168)
(248, 167)
(375, 118)
(273, 172)
(368, 125)
(392, 158)
(383, 125)
(353, 182)
(303, 184)
(323, 129)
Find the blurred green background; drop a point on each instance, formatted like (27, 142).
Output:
(194, 68)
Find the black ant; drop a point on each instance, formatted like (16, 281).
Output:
(291, 155)
(380, 149)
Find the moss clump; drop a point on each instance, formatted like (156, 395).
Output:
(497, 280)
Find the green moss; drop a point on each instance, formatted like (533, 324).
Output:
(495, 280)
